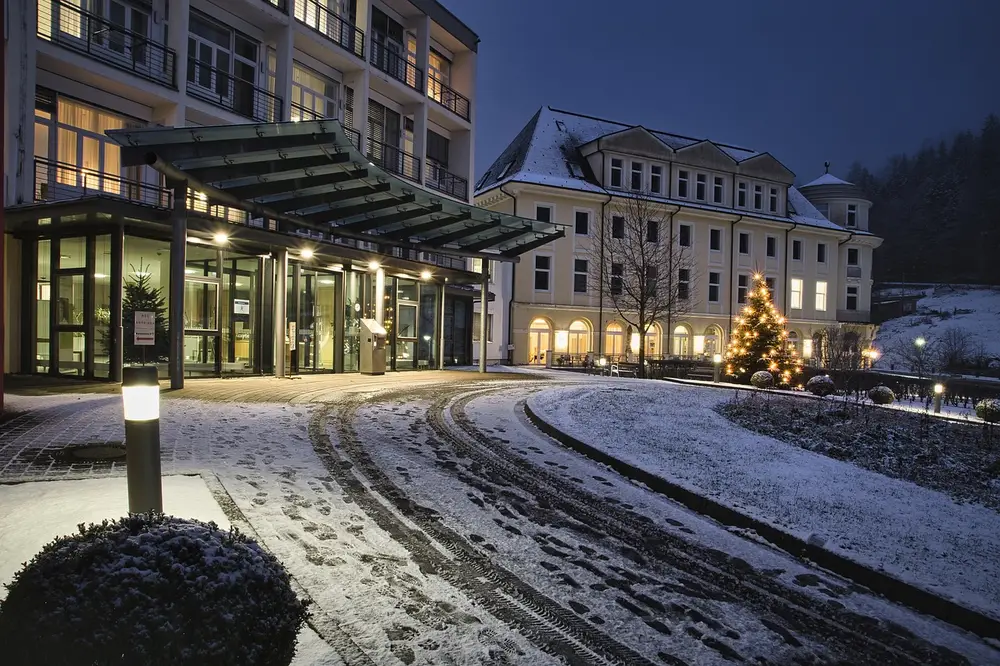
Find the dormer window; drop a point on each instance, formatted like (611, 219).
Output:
(636, 182)
(505, 170)
(852, 215)
(758, 197)
(683, 178)
(701, 187)
(741, 195)
(617, 172)
(718, 190)
(656, 179)
(772, 198)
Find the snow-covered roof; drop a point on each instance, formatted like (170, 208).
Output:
(827, 179)
(546, 152)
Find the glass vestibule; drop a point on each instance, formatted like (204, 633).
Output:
(313, 296)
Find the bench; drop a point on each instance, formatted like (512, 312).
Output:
(618, 370)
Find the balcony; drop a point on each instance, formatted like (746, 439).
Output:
(231, 93)
(854, 316)
(394, 160)
(58, 181)
(69, 26)
(281, 5)
(339, 31)
(438, 178)
(448, 98)
(854, 271)
(300, 113)
(396, 66)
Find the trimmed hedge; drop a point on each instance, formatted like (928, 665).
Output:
(882, 395)
(988, 409)
(821, 385)
(762, 379)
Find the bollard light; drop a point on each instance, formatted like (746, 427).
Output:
(938, 392)
(717, 370)
(141, 405)
(938, 389)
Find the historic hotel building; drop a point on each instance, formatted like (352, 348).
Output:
(734, 209)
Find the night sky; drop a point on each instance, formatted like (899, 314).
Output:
(807, 81)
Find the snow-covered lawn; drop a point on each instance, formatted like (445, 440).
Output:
(976, 312)
(672, 430)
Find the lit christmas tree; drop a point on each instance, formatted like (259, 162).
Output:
(760, 341)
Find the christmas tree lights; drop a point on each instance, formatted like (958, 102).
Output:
(760, 341)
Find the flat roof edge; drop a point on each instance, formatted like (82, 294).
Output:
(454, 25)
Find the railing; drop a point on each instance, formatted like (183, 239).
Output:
(854, 316)
(394, 160)
(300, 113)
(71, 27)
(443, 181)
(279, 4)
(396, 66)
(57, 181)
(229, 92)
(854, 271)
(446, 97)
(342, 33)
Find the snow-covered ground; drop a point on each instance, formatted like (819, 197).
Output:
(672, 430)
(976, 312)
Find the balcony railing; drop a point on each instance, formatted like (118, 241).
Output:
(224, 90)
(300, 113)
(71, 27)
(58, 181)
(438, 178)
(854, 316)
(854, 271)
(394, 160)
(396, 66)
(343, 33)
(279, 4)
(446, 97)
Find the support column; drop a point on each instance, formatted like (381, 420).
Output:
(379, 296)
(178, 262)
(117, 275)
(177, 39)
(441, 327)
(284, 42)
(484, 314)
(280, 296)
(18, 85)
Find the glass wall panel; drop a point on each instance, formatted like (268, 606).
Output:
(201, 305)
(73, 252)
(239, 313)
(43, 300)
(199, 354)
(146, 275)
(72, 346)
(70, 308)
(427, 347)
(352, 320)
(102, 306)
(202, 261)
(325, 304)
(406, 324)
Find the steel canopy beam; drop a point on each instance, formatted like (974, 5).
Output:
(277, 166)
(392, 218)
(335, 214)
(464, 232)
(267, 188)
(405, 232)
(329, 197)
(493, 241)
(202, 149)
(531, 245)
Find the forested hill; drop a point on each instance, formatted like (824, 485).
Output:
(938, 210)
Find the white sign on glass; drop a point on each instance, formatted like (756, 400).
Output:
(145, 328)
(241, 306)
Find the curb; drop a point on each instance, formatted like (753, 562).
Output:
(888, 586)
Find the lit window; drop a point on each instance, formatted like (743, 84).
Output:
(820, 296)
(796, 289)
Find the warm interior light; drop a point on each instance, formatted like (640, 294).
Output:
(373, 265)
(562, 341)
(140, 393)
(306, 253)
(602, 362)
(220, 238)
(425, 275)
(938, 389)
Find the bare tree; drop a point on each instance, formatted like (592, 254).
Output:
(638, 267)
(843, 347)
(954, 349)
(918, 355)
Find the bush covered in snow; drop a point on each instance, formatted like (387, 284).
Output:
(988, 410)
(762, 379)
(881, 395)
(155, 590)
(821, 385)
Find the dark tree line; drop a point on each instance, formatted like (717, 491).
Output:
(939, 210)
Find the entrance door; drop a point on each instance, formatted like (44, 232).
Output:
(538, 341)
(241, 351)
(312, 306)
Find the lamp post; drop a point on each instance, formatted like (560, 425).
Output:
(920, 342)
(716, 371)
(938, 393)
(141, 402)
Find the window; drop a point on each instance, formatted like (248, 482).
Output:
(852, 298)
(580, 276)
(652, 231)
(770, 282)
(744, 243)
(714, 287)
(618, 227)
(797, 250)
(683, 283)
(821, 253)
(715, 240)
(651, 280)
(617, 172)
(824, 210)
(772, 246)
(656, 179)
(505, 170)
(475, 327)
(543, 213)
(758, 197)
(796, 288)
(701, 187)
(684, 235)
(617, 271)
(853, 256)
(741, 195)
(582, 222)
(313, 95)
(636, 182)
(820, 296)
(543, 267)
(682, 183)
(718, 190)
(852, 215)
(742, 284)
(772, 197)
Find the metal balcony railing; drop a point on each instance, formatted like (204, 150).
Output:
(447, 97)
(854, 271)
(224, 90)
(854, 316)
(341, 32)
(396, 66)
(58, 181)
(69, 26)
(394, 160)
(279, 4)
(300, 113)
(440, 179)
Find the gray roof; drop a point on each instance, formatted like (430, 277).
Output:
(546, 152)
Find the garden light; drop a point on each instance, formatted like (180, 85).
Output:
(717, 360)
(938, 392)
(141, 405)
(920, 342)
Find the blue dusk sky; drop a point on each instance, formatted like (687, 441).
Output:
(807, 81)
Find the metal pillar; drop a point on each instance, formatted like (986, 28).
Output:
(280, 296)
(441, 327)
(484, 314)
(117, 275)
(379, 304)
(178, 262)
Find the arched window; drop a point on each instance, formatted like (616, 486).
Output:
(539, 339)
(614, 340)
(713, 341)
(793, 341)
(653, 340)
(579, 337)
(682, 341)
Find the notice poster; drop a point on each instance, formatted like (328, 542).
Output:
(241, 306)
(145, 328)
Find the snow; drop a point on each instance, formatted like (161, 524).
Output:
(975, 311)
(916, 534)
(827, 179)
